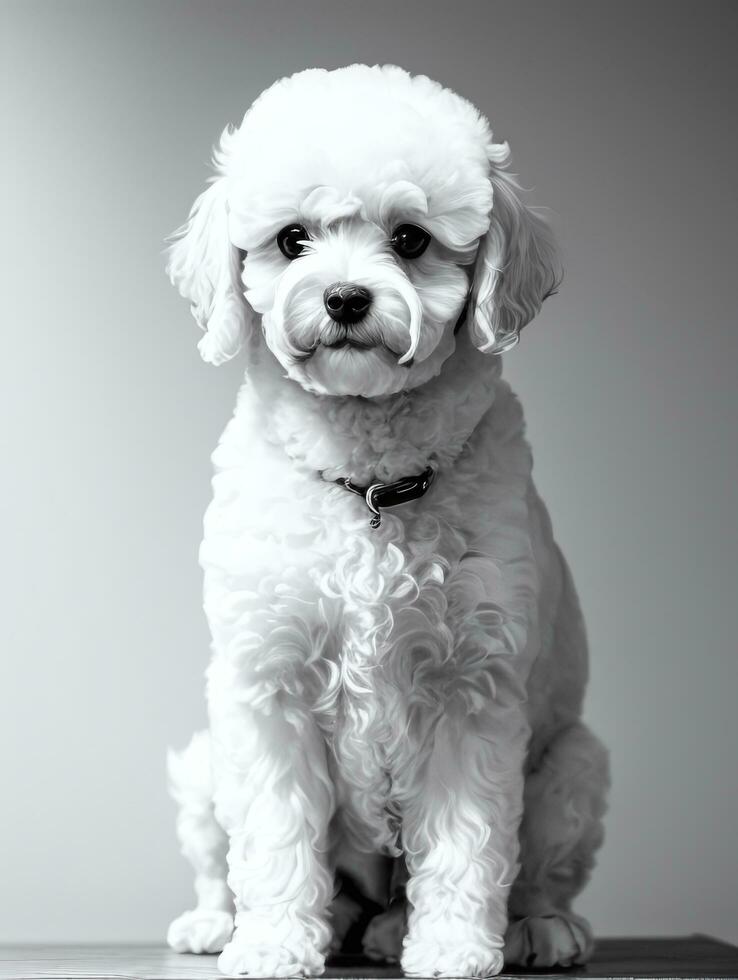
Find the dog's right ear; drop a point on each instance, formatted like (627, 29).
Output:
(206, 268)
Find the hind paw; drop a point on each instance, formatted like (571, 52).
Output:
(385, 933)
(200, 931)
(560, 939)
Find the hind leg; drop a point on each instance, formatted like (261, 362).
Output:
(564, 801)
(207, 927)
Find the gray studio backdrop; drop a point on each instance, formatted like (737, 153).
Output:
(621, 116)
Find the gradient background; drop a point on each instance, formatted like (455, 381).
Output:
(622, 116)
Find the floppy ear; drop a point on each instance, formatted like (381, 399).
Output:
(517, 266)
(206, 268)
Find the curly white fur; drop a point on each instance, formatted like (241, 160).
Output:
(413, 690)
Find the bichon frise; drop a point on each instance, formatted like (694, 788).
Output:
(399, 658)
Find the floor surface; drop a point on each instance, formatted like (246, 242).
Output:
(679, 957)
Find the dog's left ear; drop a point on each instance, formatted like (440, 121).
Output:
(206, 268)
(517, 265)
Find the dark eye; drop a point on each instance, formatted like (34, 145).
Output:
(409, 241)
(290, 241)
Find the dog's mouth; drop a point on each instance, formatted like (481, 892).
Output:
(357, 340)
(350, 346)
(348, 342)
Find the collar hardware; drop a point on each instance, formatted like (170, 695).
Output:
(379, 495)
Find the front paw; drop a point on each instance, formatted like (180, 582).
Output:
(450, 959)
(200, 931)
(245, 957)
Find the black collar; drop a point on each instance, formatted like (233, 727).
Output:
(390, 494)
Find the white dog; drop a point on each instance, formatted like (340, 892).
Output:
(398, 657)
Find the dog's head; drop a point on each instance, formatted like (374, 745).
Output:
(356, 213)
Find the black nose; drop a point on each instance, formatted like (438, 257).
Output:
(347, 302)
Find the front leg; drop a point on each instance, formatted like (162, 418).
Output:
(275, 799)
(460, 836)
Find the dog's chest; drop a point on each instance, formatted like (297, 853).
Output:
(382, 595)
(417, 617)
(375, 629)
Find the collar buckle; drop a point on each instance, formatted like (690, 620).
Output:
(379, 495)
